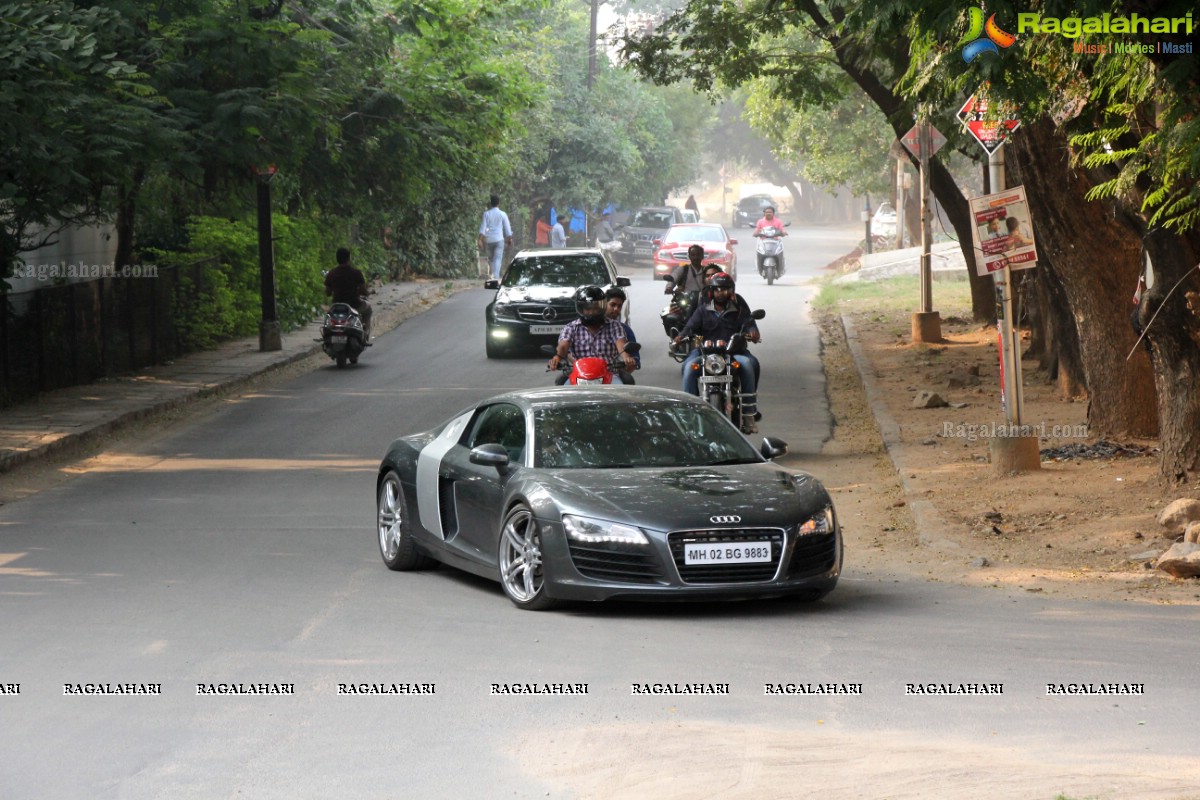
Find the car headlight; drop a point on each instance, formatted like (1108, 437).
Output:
(821, 522)
(504, 312)
(594, 531)
(664, 255)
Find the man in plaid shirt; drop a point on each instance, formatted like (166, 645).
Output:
(593, 334)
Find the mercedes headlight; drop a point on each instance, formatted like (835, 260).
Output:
(595, 531)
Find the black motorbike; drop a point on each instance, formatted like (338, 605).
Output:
(674, 316)
(720, 384)
(343, 337)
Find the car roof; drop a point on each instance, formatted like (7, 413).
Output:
(574, 395)
(560, 251)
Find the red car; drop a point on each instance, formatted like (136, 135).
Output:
(671, 250)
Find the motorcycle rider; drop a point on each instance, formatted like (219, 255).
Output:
(614, 302)
(720, 316)
(347, 285)
(690, 276)
(593, 334)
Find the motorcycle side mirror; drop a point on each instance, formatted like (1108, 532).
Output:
(490, 455)
(772, 447)
(787, 224)
(759, 314)
(491, 284)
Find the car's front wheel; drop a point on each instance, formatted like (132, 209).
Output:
(522, 573)
(396, 544)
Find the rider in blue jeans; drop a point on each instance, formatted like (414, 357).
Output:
(721, 317)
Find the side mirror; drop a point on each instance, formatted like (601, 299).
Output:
(773, 447)
(623, 281)
(657, 242)
(490, 455)
(633, 347)
(732, 242)
(787, 224)
(491, 284)
(759, 314)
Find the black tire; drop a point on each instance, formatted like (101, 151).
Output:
(519, 559)
(394, 538)
(341, 361)
(770, 276)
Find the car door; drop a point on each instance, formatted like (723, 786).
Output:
(472, 494)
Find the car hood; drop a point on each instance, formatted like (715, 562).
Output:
(762, 494)
(644, 229)
(535, 294)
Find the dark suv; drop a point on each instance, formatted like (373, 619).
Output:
(749, 209)
(638, 234)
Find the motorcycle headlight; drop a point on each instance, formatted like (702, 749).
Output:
(595, 531)
(714, 362)
(821, 522)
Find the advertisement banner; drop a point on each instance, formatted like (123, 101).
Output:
(1002, 231)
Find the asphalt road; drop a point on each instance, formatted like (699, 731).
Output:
(240, 548)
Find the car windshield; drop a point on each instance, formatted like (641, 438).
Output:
(696, 233)
(630, 435)
(652, 219)
(754, 203)
(562, 270)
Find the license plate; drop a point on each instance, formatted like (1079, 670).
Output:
(541, 329)
(337, 339)
(727, 553)
(716, 378)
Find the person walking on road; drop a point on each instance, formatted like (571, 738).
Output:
(495, 231)
(558, 235)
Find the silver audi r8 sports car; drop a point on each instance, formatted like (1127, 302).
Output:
(571, 493)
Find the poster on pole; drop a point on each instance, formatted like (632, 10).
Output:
(1002, 231)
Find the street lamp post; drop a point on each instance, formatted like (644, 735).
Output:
(269, 336)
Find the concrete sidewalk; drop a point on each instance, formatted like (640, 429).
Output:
(76, 415)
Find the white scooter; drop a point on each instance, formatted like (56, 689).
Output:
(769, 251)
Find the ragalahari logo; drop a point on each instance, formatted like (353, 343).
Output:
(976, 42)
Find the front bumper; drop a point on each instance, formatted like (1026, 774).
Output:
(515, 334)
(809, 564)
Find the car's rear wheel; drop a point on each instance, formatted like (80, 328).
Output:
(396, 544)
(522, 572)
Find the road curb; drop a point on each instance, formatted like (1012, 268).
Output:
(386, 318)
(932, 529)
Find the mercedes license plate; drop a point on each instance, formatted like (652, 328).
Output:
(727, 553)
(544, 329)
(337, 339)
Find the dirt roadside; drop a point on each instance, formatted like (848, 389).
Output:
(1080, 527)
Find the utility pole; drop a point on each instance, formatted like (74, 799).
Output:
(269, 336)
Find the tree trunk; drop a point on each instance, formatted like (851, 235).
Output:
(1096, 260)
(1174, 336)
(127, 197)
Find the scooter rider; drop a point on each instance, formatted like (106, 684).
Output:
(593, 334)
(721, 317)
(347, 285)
(769, 220)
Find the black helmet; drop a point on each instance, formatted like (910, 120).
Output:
(721, 280)
(589, 303)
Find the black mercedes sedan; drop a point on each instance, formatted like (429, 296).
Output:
(572, 493)
(535, 296)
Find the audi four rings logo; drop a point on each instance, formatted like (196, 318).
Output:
(730, 520)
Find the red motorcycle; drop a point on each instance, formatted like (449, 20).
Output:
(592, 370)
